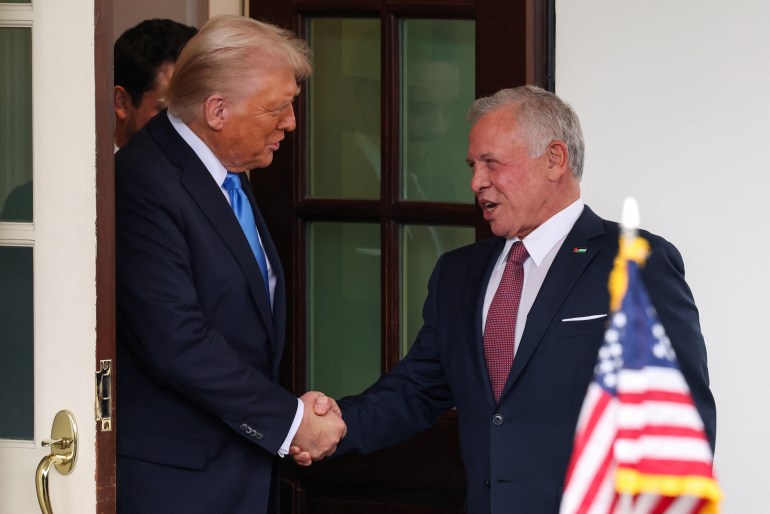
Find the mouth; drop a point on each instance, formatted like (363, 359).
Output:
(487, 206)
(275, 146)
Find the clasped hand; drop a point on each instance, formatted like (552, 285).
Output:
(321, 429)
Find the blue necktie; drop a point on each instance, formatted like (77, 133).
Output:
(245, 215)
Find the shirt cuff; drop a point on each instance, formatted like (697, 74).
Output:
(284, 449)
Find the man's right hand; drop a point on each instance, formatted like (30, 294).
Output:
(321, 429)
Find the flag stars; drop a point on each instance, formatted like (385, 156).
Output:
(658, 331)
(662, 348)
(610, 380)
(610, 360)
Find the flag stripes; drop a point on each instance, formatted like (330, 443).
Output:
(640, 446)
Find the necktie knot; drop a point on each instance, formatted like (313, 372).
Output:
(518, 253)
(232, 182)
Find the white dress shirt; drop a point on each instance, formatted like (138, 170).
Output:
(542, 244)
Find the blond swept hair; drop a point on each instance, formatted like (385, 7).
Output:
(225, 51)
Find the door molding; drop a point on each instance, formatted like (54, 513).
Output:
(105, 241)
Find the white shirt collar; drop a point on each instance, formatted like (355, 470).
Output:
(204, 153)
(542, 240)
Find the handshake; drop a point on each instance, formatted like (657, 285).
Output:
(321, 429)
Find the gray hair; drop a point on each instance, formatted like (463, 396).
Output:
(542, 116)
(226, 47)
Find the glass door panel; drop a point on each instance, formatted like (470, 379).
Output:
(343, 307)
(437, 88)
(17, 378)
(421, 246)
(16, 124)
(344, 109)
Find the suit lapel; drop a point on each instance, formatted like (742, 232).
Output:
(279, 299)
(559, 282)
(483, 260)
(200, 185)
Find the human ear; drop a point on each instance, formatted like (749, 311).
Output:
(122, 102)
(558, 159)
(215, 112)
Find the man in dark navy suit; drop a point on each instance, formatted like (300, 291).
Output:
(200, 289)
(518, 403)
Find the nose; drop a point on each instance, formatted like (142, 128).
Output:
(480, 179)
(288, 121)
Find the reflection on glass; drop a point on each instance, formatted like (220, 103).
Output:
(344, 109)
(422, 245)
(15, 124)
(343, 307)
(16, 344)
(437, 89)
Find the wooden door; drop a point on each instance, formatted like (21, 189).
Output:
(367, 193)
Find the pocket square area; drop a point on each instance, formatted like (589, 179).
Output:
(585, 318)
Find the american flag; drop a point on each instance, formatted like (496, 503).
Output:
(640, 446)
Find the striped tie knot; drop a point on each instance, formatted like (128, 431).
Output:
(518, 253)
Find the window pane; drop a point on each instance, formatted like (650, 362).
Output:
(16, 344)
(344, 109)
(344, 306)
(437, 88)
(15, 124)
(421, 247)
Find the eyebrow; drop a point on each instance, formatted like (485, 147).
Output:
(482, 157)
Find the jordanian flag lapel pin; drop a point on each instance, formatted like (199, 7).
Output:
(579, 249)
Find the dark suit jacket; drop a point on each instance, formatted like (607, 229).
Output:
(516, 464)
(200, 416)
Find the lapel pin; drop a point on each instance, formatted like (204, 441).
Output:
(579, 249)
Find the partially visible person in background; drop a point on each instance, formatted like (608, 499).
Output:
(145, 56)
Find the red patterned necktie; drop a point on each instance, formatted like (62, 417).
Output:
(500, 328)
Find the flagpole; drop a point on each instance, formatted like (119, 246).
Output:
(630, 219)
(629, 223)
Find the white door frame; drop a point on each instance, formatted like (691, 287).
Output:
(71, 61)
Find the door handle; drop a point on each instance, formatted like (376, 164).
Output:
(64, 453)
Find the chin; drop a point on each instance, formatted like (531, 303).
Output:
(262, 162)
(498, 231)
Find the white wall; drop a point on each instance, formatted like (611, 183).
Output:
(674, 98)
(127, 13)
(227, 7)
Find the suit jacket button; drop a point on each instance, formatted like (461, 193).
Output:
(258, 435)
(497, 419)
(245, 427)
